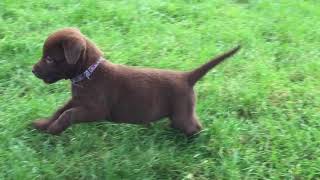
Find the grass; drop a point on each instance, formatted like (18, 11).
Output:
(260, 109)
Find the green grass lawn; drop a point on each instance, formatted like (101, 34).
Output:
(260, 109)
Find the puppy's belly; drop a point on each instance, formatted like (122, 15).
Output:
(137, 113)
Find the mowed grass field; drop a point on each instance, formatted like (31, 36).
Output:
(260, 109)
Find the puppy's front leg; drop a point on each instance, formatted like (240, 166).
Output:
(75, 115)
(43, 124)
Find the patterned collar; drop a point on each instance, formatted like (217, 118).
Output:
(87, 73)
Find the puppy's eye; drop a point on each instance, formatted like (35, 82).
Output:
(49, 60)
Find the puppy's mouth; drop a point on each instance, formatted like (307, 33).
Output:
(49, 80)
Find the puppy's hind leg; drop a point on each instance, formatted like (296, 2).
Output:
(184, 117)
(188, 125)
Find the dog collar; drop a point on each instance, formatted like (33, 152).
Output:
(87, 73)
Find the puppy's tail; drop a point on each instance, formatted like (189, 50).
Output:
(195, 75)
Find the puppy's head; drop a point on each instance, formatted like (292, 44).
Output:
(62, 51)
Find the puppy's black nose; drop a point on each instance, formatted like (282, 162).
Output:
(36, 73)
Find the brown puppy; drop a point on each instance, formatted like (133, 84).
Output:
(115, 92)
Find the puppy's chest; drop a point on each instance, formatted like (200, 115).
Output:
(90, 95)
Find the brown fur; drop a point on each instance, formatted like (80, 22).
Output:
(115, 92)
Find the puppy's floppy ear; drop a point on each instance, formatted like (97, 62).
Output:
(73, 47)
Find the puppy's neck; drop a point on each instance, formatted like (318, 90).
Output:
(89, 58)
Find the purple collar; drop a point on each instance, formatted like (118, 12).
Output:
(87, 73)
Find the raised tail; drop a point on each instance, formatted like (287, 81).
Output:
(197, 74)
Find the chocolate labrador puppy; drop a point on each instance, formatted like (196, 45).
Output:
(103, 90)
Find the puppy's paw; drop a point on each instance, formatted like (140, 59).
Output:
(41, 124)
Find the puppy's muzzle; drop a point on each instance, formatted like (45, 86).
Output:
(37, 72)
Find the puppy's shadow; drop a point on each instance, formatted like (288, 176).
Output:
(161, 132)
(107, 135)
